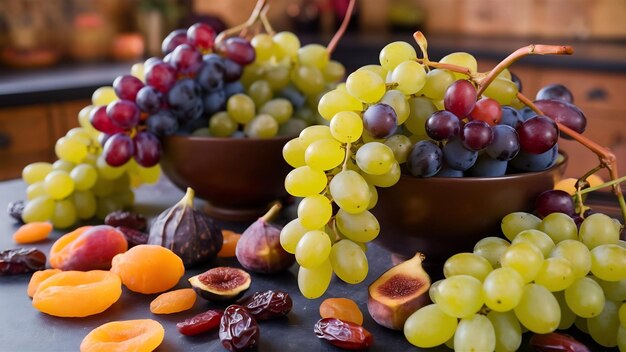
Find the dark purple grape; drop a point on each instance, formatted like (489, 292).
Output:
(447, 171)
(535, 162)
(527, 113)
(162, 76)
(124, 114)
(195, 113)
(564, 113)
(294, 96)
(211, 74)
(380, 120)
(173, 40)
(518, 82)
(186, 59)
(457, 156)
(15, 209)
(238, 49)
(443, 125)
(149, 99)
(232, 70)
(233, 88)
(192, 125)
(505, 144)
(162, 123)
(202, 36)
(485, 166)
(425, 159)
(476, 135)
(511, 117)
(147, 149)
(214, 101)
(555, 92)
(127, 86)
(183, 97)
(101, 121)
(538, 134)
(554, 201)
(460, 98)
(118, 149)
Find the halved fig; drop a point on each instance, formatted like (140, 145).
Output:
(221, 284)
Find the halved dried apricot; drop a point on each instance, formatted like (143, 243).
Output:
(341, 308)
(140, 335)
(173, 301)
(77, 293)
(37, 278)
(32, 232)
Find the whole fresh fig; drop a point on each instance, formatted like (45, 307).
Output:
(188, 232)
(259, 248)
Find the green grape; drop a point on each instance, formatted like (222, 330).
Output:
(460, 296)
(346, 126)
(137, 70)
(608, 262)
(598, 229)
(507, 329)
(38, 209)
(501, 90)
(395, 53)
(105, 206)
(475, 333)
(505, 73)
(375, 158)
(314, 211)
(126, 198)
(292, 127)
(63, 165)
(576, 253)
(107, 171)
(559, 227)
(103, 187)
(373, 196)
(313, 55)
(377, 69)
(360, 227)
(538, 310)
(467, 264)
(585, 297)
(348, 261)
(103, 96)
(35, 190)
(252, 73)
(314, 133)
(567, 316)
(149, 175)
(429, 327)
(397, 100)
(523, 257)
(84, 176)
(58, 184)
(337, 101)
(291, 234)
(85, 203)
(83, 121)
(92, 158)
(36, 172)
(277, 77)
(324, 154)
(603, 328)
(461, 59)
(279, 108)
(621, 338)
(613, 290)
(439, 105)
(262, 126)
(260, 91)
(437, 82)
(491, 248)
(80, 135)
(514, 223)
(308, 79)
(263, 46)
(420, 109)
(334, 71)
(221, 125)
(556, 274)
(502, 289)
(305, 181)
(313, 249)
(240, 108)
(64, 214)
(622, 314)
(432, 290)
(385, 180)
(409, 76)
(350, 192)
(400, 145)
(366, 86)
(581, 324)
(538, 238)
(314, 282)
(287, 42)
(293, 153)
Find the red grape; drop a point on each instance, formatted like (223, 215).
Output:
(476, 135)
(380, 121)
(186, 60)
(101, 121)
(538, 134)
(487, 110)
(238, 50)
(565, 113)
(173, 40)
(118, 149)
(123, 113)
(460, 98)
(161, 76)
(147, 149)
(202, 36)
(127, 86)
(443, 125)
(554, 201)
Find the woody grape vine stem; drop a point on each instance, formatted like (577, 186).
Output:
(332, 45)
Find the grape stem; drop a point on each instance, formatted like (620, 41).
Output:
(606, 184)
(580, 183)
(266, 23)
(332, 45)
(345, 161)
(243, 27)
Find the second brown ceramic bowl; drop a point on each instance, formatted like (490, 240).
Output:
(443, 216)
(238, 177)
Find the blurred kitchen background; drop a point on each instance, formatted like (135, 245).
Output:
(55, 53)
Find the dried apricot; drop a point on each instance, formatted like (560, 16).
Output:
(77, 293)
(148, 268)
(140, 335)
(90, 249)
(173, 301)
(229, 244)
(37, 278)
(341, 308)
(33, 232)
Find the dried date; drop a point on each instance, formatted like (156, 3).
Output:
(21, 261)
(15, 210)
(554, 342)
(126, 219)
(267, 305)
(238, 329)
(133, 237)
(343, 334)
(200, 323)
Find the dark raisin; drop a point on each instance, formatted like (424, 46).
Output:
(133, 237)
(238, 329)
(15, 210)
(21, 261)
(267, 305)
(126, 219)
(343, 334)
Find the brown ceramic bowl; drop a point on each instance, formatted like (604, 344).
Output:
(443, 216)
(238, 177)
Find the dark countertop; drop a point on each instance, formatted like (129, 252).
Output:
(25, 329)
(70, 81)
